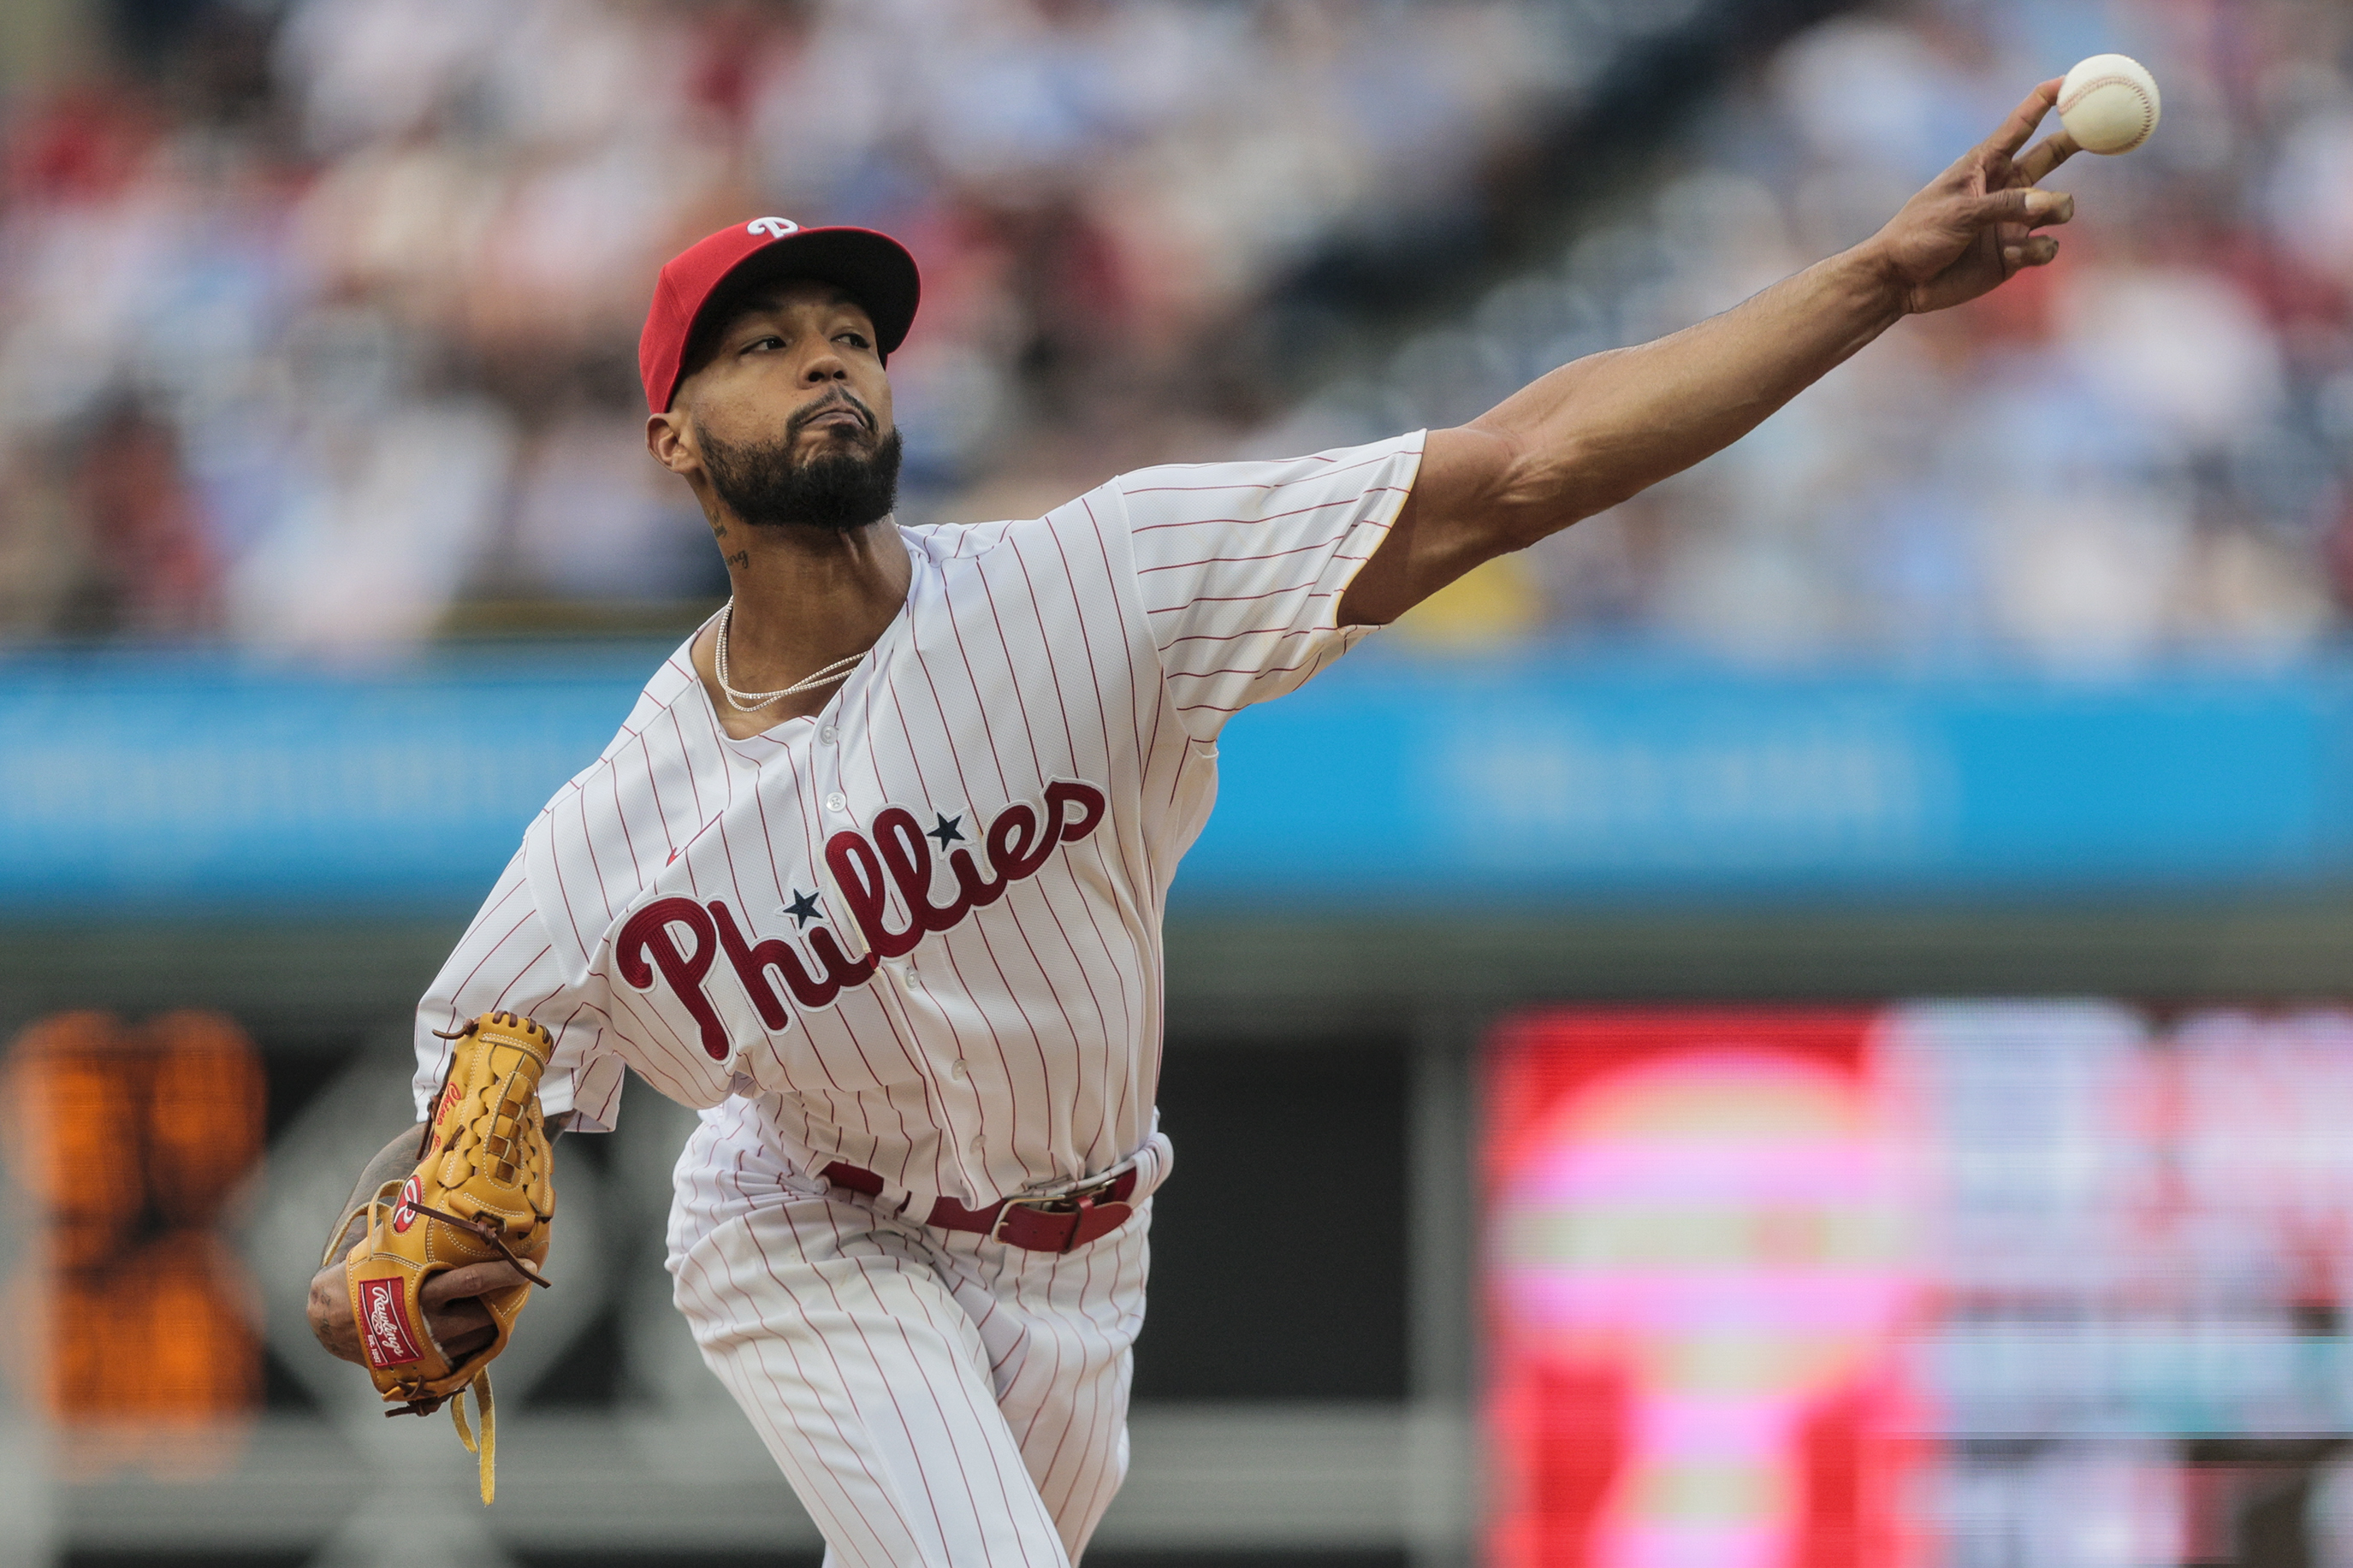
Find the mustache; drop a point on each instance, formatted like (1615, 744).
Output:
(831, 401)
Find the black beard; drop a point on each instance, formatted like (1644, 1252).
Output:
(838, 489)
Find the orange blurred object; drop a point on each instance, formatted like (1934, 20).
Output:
(128, 1142)
(205, 1103)
(77, 1154)
(183, 1350)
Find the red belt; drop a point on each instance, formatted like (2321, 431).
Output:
(1056, 1223)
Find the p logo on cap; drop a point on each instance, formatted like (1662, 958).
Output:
(774, 227)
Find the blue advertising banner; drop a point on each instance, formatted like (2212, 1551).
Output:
(1617, 779)
(133, 783)
(149, 785)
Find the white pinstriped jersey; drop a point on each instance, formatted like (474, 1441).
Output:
(921, 930)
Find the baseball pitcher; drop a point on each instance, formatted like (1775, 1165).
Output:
(873, 874)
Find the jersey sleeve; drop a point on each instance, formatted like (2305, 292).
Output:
(1241, 565)
(506, 962)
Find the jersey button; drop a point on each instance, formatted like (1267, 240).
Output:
(827, 734)
(960, 1068)
(836, 801)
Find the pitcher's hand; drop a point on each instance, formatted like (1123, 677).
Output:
(1973, 227)
(458, 1323)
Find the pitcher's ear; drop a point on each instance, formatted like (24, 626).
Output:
(667, 440)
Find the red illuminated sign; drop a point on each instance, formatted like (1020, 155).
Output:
(1696, 1277)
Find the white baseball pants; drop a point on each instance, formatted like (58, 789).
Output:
(936, 1398)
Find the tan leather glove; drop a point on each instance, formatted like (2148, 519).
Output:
(480, 1193)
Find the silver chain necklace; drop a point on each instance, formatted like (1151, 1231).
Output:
(751, 701)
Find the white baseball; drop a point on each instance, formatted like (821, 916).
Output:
(2108, 103)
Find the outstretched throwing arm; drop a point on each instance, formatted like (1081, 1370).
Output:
(1605, 427)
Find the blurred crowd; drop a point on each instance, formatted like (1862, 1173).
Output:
(318, 319)
(317, 316)
(2140, 452)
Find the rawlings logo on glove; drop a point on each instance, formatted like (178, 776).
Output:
(383, 1325)
(480, 1194)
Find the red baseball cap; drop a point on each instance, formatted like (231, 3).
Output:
(873, 266)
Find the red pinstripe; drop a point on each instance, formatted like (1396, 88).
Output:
(564, 896)
(832, 1289)
(454, 1019)
(756, 1408)
(1228, 559)
(997, 1041)
(1126, 1006)
(996, 759)
(499, 1004)
(883, 998)
(1232, 598)
(1240, 522)
(1038, 767)
(653, 788)
(1237, 636)
(1240, 484)
(588, 841)
(629, 841)
(806, 799)
(679, 730)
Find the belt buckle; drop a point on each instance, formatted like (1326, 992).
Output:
(1004, 1212)
(1075, 1201)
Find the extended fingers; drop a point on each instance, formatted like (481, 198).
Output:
(454, 1314)
(460, 1328)
(2023, 206)
(2020, 126)
(2049, 154)
(2035, 250)
(474, 1279)
(458, 1318)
